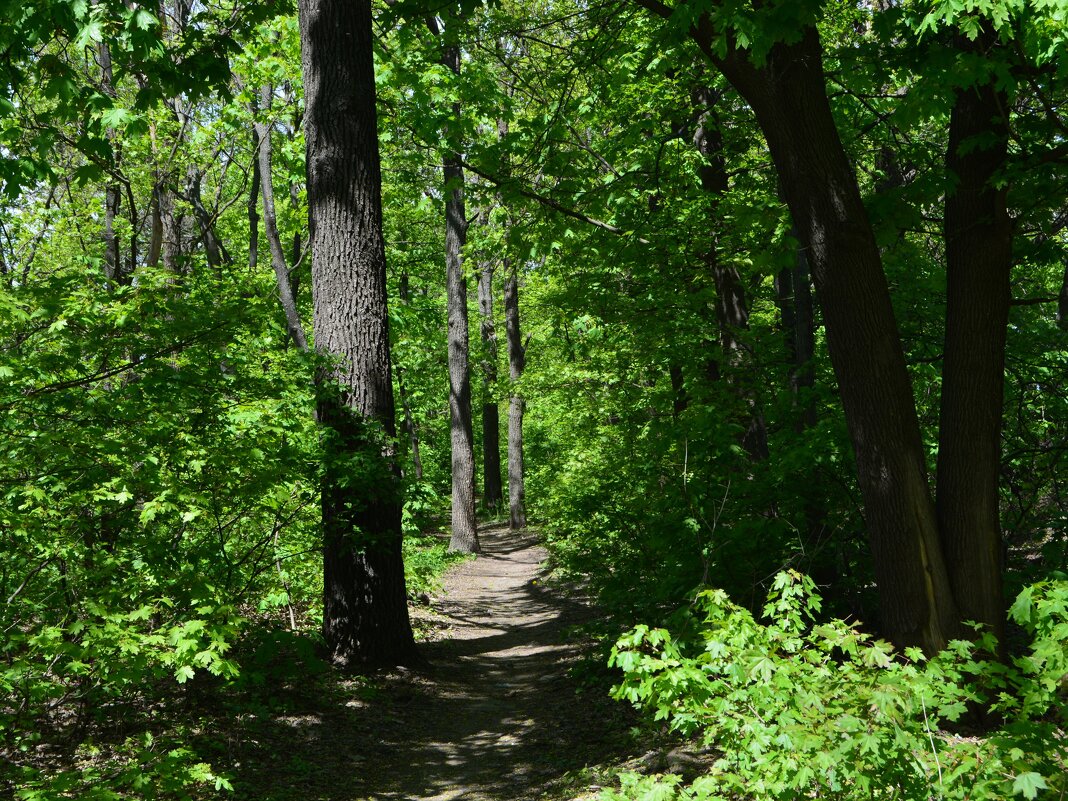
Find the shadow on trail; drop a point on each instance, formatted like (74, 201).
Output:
(497, 717)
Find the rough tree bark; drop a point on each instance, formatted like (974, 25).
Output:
(978, 236)
(517, 361)
(365, 611)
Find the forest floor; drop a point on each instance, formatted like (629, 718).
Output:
(502, 713)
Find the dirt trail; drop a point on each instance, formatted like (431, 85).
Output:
(497, 718)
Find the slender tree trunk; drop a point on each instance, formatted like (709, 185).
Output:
(409, 426)
(365, 611)
(492, 494)
(270, 226)
(254, 197)
(978, 233)
(464, 526)
(517, 361)
(464, 523)
(409, 419)
(112, 192)
(793, 289)
(1062, 301)
(788, 95)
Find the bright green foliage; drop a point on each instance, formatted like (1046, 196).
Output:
(795, 708)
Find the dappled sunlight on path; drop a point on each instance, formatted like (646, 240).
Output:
(498, 716)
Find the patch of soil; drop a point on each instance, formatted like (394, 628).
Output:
(499, 716)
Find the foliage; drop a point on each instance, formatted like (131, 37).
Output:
(796, 708)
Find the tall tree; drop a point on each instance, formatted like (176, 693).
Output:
(365, 612)
(464, 523)
(492, 493)
(517, 359)
(978, 236)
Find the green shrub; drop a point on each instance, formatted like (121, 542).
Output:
(795, 709)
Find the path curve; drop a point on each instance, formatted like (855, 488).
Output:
(499, 717)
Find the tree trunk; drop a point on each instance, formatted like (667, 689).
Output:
(270, 226)
(732, 306)
(409, 419)
(464, 524)
(254, 198)
(214, 249)
(517, 360)
(788, 95)
(793, 290)
(492, 493)
(1062, 301)
(112, 192)
(365, 611)
(978, 234)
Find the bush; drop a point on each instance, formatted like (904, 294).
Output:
(794, 709)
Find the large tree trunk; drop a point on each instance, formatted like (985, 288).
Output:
(492, 493)
(464, 524)
(365, 612)
(517, 361)
(978, 234)
(788, 95)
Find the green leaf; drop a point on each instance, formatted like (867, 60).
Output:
(1028, 784)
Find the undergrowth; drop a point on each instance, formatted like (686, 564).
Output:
(798, 709)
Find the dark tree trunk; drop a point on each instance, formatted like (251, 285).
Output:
(492, 493)
(112, 192)
(254, 198)
(365, 611)
(213, 246)
(464, 524)
(270, 226)
(517, 360)
(793, 290)
(788, 95)
(732, 306)
(978, 233)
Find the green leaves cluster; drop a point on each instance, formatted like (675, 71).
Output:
(795, 708)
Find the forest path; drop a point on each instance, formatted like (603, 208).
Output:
(499, 717)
